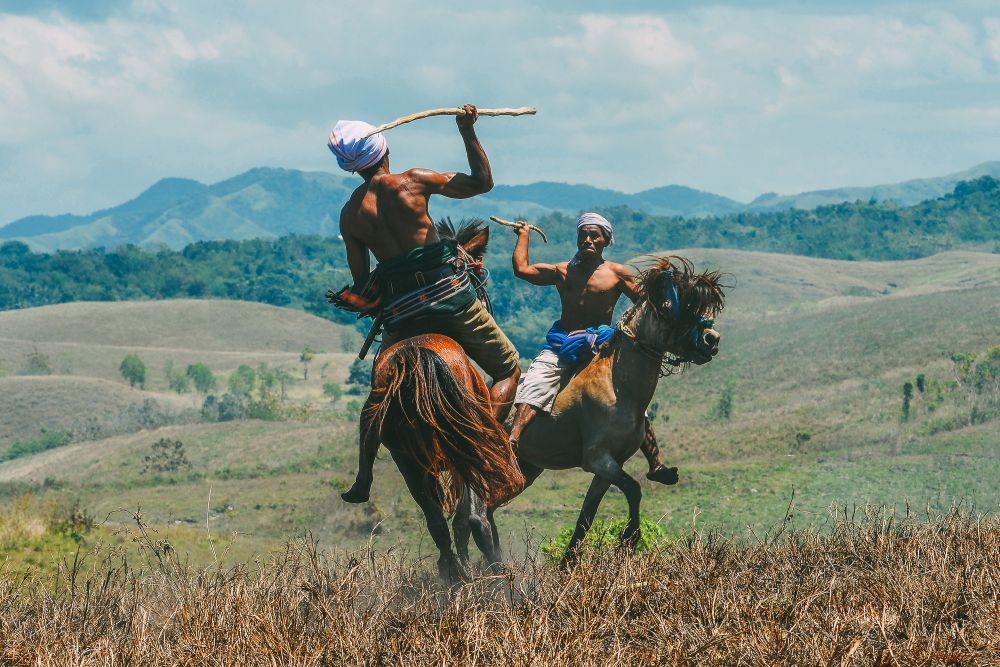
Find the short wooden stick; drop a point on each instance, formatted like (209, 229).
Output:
(516, 225)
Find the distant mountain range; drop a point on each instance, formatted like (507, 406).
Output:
(266, 202)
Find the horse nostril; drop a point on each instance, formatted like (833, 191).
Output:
(712, 339)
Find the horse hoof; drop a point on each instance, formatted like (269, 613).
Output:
(357, 494)
(663, 475)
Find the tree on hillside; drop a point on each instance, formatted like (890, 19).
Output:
(360, 373)
(332, 391)
(133, 370)
(242, 381)
(176, 380)
(201, 376)
(306, 358)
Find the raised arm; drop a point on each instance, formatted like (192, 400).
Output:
(536, 274)
(457, 185)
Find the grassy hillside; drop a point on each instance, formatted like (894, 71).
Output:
(905, 193)
(814, 357)
(83, 344)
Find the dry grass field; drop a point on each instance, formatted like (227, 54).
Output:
(874, 588)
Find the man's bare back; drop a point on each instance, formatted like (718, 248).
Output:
(388, 215)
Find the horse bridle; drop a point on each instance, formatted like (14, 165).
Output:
(667, 361)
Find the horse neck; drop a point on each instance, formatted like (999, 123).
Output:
(634, 373)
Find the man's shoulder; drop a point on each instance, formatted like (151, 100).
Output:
(620, 269)
(416, 174)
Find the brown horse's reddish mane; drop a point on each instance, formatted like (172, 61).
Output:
(419, 406)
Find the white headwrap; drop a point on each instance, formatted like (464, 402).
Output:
(598, 221)
(353, 151)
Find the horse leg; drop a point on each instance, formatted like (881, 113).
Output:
(611, 471)
(598, 487)
(531, 472)
(368, 444)
(461, 525)
(480, 523)
(658, 472)
(423, 487)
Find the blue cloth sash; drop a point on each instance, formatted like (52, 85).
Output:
(574, 347)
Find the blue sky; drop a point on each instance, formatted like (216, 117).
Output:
(98, 100)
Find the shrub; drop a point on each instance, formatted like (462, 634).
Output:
(604, 535)
(360, 373)
(724, 408)
(333, 391)
(45, 441)
(36, 363)
(167, 456)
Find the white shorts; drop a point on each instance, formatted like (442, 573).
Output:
(540, 384)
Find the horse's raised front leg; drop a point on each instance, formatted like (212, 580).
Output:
(611, 471)
(598, 487)
(424, 489)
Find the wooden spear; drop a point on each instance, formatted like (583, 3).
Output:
(451, 111)
(516, 225)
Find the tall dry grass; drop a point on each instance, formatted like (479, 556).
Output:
(872, 589)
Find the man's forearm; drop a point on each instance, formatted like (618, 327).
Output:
(479, 164)
(520, 258)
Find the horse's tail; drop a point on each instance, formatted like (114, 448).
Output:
(445, 426)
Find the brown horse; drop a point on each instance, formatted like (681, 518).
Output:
(430, 407)
(598, 420)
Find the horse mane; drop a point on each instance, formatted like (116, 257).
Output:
(467, 230)
(701, 294)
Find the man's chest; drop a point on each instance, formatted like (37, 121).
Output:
(597, 286)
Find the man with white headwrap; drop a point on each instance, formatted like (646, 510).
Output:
(589, 287)
(387, 216)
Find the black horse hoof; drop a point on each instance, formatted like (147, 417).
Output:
(358, 493)
(663, 475)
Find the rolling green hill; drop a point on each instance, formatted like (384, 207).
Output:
(81, 390)
(814, 356)
(298, 270)
(906, 193)
(269, 203)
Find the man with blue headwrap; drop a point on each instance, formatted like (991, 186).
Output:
(589, 287)
(387, 216)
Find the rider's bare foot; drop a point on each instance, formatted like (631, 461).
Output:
(663, 475)
(358, 493)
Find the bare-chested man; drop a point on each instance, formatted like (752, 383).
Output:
(387, 215)
(589, 287)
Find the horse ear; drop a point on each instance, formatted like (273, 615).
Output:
(476, 245)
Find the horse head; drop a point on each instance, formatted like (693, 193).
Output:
(674, 315)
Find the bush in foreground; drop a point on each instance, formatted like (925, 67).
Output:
(872, 591)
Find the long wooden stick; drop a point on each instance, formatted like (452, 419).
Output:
(451, 111)
(516, 225)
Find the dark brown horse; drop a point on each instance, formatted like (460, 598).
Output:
(430, 407)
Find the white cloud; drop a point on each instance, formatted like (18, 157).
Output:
(642, 40)
(732, 100)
